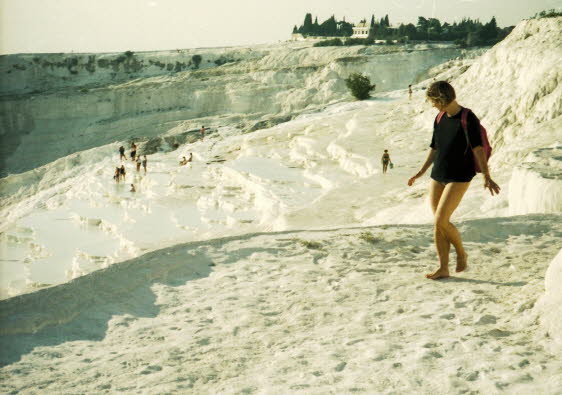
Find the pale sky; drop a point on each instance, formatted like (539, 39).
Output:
(28, 26)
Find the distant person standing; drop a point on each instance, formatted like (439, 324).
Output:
(144, 162)
(117, 175)
(190, 157)
(385, 160)
(202, 131)
(138, 164)
(409, 92)
(122, 171)
(122, 153)
(133, 151)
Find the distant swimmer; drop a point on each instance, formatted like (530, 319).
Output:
(122, 153)
(190, 157)
(133, 151)
(385, 160)
(122, 171)
(138, 164)
(183, 162)
(144, 162)
(409, 92)
(117, 175)
(202, 131)
(454, 149)
(133, 188)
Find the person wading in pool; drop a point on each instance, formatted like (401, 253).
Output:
(385, 160)
(453, 169)
(133, 151)
(123, 172)
(144, 162)
(122, 153)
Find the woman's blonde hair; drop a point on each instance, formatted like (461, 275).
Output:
(441, 93)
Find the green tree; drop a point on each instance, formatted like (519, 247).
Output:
(329, 27)
(307, 26)
(346, 29)
(446, 32)
(434, 25)
(196, 60)
(316, 27)
(359, 85)
(423, 27)
(411, 31)
(489, 30)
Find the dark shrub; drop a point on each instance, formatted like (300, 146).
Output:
(359, 85)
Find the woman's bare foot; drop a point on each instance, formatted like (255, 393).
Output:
(440, 273)
(461, 262)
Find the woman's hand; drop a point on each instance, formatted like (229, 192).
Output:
(491, 185)
(411, 180)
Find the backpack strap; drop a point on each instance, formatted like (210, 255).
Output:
(464, 123)
(439, 116)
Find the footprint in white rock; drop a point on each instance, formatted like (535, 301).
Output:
(431, 355)
(151, 369)
(486, 320)
(341, 366)
(523, 363)
(468, 376)
(499, 333)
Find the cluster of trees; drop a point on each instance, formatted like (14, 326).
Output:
(552, 13)
(467, 32)
(330, 27)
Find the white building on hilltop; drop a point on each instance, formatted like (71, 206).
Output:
(361, 30)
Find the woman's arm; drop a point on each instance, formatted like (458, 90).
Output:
(428, 161)
(481, 160)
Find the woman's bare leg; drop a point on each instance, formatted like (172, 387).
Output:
(445, 232)
(441, 243)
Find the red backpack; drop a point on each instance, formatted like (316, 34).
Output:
(483, 134)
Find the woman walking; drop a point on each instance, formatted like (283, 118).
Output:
(453, 155)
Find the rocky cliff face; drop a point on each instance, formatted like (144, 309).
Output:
(39, 73)
(89, 100)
